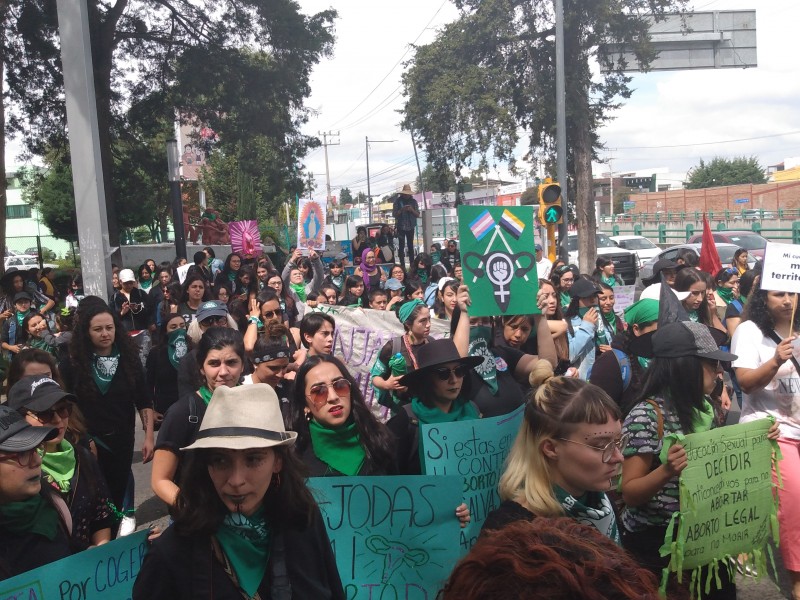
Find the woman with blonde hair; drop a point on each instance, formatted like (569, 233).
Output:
(564, 459)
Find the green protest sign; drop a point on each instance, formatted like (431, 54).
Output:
(497, 255)
(106, 572)
(726, 498)
(476, 451)
(393, 537)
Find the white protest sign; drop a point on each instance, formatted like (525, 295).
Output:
(624, 296)
(781, 271)
(360, 334)
(183, 271)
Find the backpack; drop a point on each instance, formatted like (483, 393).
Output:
(624, 368)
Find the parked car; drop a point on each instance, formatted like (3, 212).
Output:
(625, 262)
(752, 242)
(753, 214)
(725, 252)
(644, 248)
(25, 262)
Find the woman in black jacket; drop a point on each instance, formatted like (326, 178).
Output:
(245, 524)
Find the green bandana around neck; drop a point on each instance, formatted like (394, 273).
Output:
(479, 346)
(232, 276)
(21, 316)
(176, 346)
(422, 274)
(564, 298)
(593, 509)
(609, 281)
(339, 447)
(146, 284)
(611, 318)
(338, 281)
(694, 316)
(245, 542)
(460, 410)
(300, 290)
(407, 308)
(726, 294)
(602, 335)
(703, 419)
(34, 515)
(59, 466)
(104, 368)
(205, 394)
(39, 343)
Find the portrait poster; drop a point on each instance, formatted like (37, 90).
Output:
(311, 224)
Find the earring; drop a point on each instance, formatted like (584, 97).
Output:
(308, 415)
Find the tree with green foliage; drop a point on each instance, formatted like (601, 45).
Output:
(240, 66)
(490, 75)
(345, 196)
(725, 171)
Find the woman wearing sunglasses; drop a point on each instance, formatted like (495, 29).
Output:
(337, 433)
(220, 362)
(564, 459)
(438, 388)
(70, 469)
(32, 531)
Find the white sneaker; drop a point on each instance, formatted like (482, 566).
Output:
(127, 526)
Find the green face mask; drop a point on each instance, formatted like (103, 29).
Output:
(176, 346)
(436, 257)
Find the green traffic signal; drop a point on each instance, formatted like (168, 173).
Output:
(553, 214)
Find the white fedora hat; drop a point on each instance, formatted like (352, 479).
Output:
(246, 416)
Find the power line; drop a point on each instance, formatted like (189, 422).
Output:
(400, 60)
(759, 137)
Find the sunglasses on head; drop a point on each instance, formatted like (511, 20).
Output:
(443, 373)
(318, 394)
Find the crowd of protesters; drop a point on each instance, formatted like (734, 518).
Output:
(233, 376)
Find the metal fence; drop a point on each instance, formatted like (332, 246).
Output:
(48, 248)
(662, 234)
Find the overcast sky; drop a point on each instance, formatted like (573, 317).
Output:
(357, 93)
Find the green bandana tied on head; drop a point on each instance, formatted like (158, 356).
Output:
(104, 368)
(641, 312)
(245, 542)
(176, 346)
(408, 307)
(593, 509)
(300, 290)
(59, 466)
(34, 515)
(338, 447)
(479, 346)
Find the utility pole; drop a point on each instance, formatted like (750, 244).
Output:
(325, 145)
(561, 130)
(369, 193)
(419, 170)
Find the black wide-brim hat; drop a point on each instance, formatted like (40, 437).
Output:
(435, 354)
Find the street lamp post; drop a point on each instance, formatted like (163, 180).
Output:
(174, 172)
(369, 194)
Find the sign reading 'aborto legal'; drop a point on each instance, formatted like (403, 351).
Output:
(781, 270)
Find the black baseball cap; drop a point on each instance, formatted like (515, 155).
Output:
(22, 296)
(17, 435)
(583, 288)
(682, 338)
(37, 393)
(211, 308)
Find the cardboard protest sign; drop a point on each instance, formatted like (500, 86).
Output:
(476, 451)
(393, 537)
(360, 334)
(781, 271)
(245, 238)
(726, 497)
(106, 572)
(311, 224)
(624, 296)
(497, 254)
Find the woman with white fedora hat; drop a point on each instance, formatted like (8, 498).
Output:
(246, 525)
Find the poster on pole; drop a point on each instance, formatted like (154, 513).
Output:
(106, 572)
(497, 255)
(727, 506)
(311, 224)
(393, 537)
(781, 271)
(476, 451)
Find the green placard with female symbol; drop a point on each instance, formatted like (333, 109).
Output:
(498, 259)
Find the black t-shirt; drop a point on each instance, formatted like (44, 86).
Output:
(508, 513)
(177, 431)
(510, 394)
(133, 320)
(162, 379)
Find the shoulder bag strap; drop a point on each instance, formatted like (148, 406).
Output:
(777, 339)
(61, 507)
(659, 416)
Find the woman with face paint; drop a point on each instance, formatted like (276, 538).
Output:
(565, 457)
(498, 384)
(246, 525)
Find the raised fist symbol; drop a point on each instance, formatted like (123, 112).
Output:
(500, 271)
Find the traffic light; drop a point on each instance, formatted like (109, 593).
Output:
(550, 210)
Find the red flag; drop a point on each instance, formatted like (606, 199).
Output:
(709, 257)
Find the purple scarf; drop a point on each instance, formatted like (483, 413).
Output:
(364, 274)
